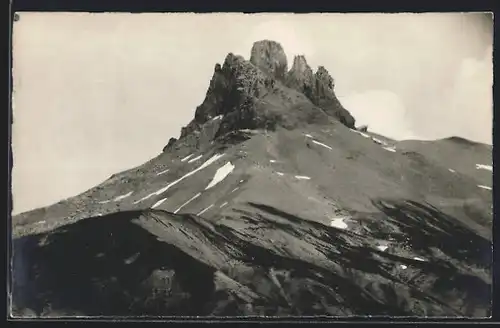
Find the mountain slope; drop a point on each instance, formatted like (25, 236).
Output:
(270, 203)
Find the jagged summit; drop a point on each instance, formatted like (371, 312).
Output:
(270, 57)
(300, 64)
(261, 93)
(301, 76)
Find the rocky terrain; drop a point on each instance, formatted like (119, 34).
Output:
(272, 203)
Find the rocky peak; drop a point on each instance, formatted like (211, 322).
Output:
(324, 77)
(270, 57)
(318, 87)
(300, 77)
(261, 94)
(300, 65)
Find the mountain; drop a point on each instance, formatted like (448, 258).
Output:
(272, 203)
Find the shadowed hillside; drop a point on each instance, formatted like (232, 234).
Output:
(155, 263)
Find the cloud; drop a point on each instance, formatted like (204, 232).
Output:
(462, 108)
(383, 111)
(472, 99)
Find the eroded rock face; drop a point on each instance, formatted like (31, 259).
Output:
(260, 94)
(244, 97)
(270, 57)
(325, 98)
(301, 77)
(170, 144)
(324, 79)
(318, 88)
(233, 94)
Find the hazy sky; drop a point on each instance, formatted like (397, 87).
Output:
(95, 94)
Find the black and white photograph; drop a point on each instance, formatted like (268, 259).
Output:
(239, 165)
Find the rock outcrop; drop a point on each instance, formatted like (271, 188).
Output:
(318, 88)
(261, 94)
(301, 77)
(270, 57)
(170, 144)
(362, 128)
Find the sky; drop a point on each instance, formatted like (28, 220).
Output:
(97, 93)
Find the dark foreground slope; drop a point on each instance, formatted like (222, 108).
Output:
(270, 203)
(260, 262)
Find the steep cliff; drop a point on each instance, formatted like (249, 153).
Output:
(261, 93)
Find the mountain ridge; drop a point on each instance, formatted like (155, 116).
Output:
(272, 203)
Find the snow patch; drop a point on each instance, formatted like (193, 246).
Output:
(419, 259)
(322, 144)
(131, 259)
(195, 159)
(391, 149)
(224, 204)
(186, 158)
(123, 196)
(241, 181)
(280, 173)
(380, 142)
(201, 167)
(302, 177)
(158, 203)
(404, 267)
(382, 247)
(484, 167)
(205, 209)
(235, 189)
(104, 202)
(484, 187)
(162, 172)
(364, 134)
(209, 161)
(313, 199)
(218, 117)
(272, 161)
(452, 170)
(338, 223)
(145, 197)
(308, 135)
(361, 133)
(189, 201)
(221, 174)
